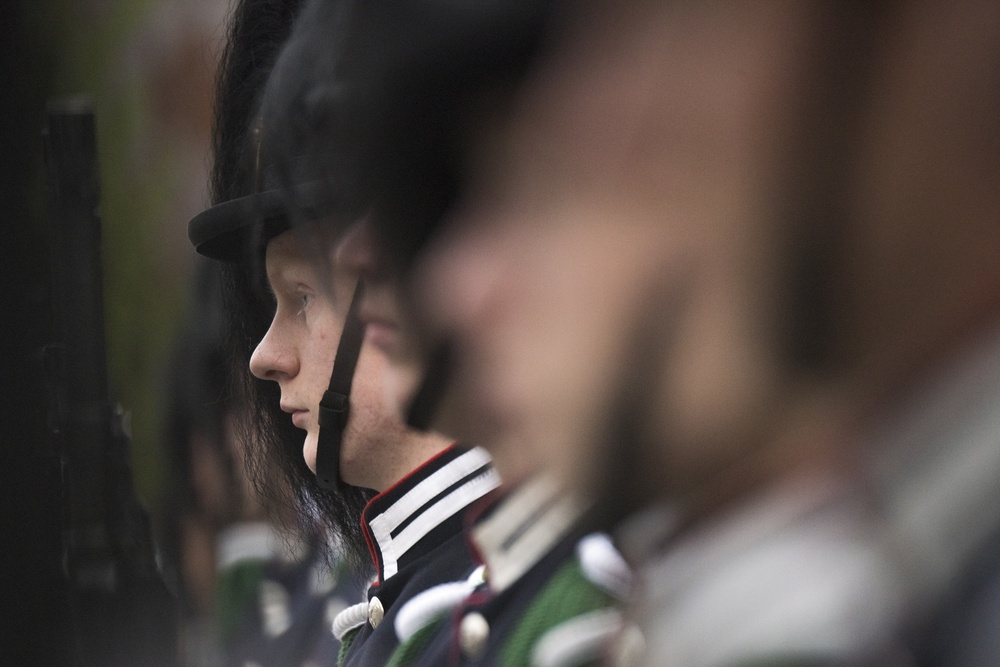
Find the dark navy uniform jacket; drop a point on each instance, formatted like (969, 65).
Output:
(544, 589)
(414, 533)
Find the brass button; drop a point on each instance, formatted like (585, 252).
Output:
(375, 612)
(473, 633)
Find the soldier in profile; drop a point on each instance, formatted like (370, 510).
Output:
(318, 431)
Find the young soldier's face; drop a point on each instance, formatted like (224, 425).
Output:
(298, 353)
(625, 193)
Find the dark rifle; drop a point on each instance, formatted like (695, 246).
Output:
(119, 608)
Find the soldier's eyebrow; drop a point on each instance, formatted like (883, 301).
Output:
(289, 271)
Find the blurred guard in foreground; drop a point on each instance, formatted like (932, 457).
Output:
(739, 262)
(622, 277)
(311, 347)
(372, 117)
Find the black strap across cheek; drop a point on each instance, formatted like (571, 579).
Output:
(335, 407)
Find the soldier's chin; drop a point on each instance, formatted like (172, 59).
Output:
(309, 451)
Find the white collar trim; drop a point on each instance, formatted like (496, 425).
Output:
(428, 516)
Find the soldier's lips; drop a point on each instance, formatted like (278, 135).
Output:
(299, 415)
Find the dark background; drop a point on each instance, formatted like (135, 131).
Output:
(31, 629)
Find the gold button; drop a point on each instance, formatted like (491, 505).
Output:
(375, 612)
(473, 634)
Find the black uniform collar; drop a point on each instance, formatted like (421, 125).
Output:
(406, 521)
(522, 528)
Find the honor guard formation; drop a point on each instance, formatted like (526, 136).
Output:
(597, 332)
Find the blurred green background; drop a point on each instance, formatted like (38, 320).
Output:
(148, 68)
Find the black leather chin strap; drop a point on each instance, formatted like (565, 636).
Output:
(335, 407)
